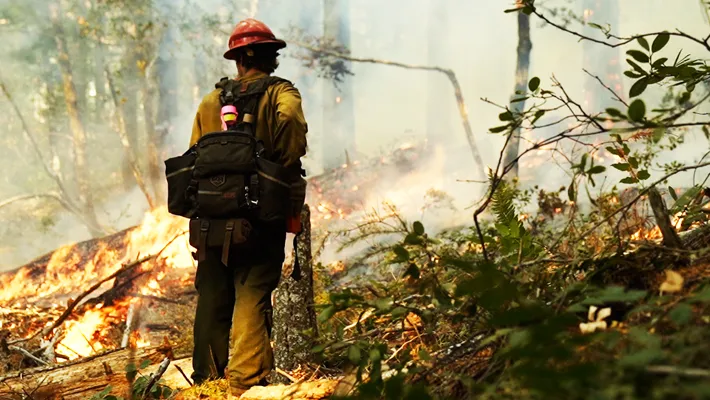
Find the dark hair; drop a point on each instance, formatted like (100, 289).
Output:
(261, 57)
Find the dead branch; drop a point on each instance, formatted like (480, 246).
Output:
(28, 354)
(189, 382)
(621, 40)
(670, 236)
(672, 370)
(129, 326)
(155, 377)
(72, 305)
(24, 197)
(458, 93)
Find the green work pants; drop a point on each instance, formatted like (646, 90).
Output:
(237, 297)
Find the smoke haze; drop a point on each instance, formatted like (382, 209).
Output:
(390, 104)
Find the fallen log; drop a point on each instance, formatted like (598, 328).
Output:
(640, 268)
(54, 275)
(85, 377)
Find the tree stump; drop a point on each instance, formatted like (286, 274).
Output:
(295, 326)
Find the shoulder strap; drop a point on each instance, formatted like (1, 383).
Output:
(245, 97)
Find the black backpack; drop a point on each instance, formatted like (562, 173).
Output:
(225, 179)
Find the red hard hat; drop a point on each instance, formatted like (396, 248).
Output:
(251, 32)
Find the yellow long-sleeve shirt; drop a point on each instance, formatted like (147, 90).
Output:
(280, 122)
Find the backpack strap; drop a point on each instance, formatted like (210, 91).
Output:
(245, 96)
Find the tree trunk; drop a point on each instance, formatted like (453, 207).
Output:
(338, 114)
(295, 327)
(521, 85)
(77, 127)
(83, 378)
(128, 148)
(129, 96)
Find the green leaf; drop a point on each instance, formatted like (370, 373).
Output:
(681, 314)
(383, 304)
(354, 354)
(672, 192)
(145, 363)
(632, 74)
(401, 253)
(597, 26)
(643, 42)
(614, 112)
(641, 358)
(638, 56)
(636, 66)
(326, 314)
(539, 114)
(634, 162)
(638, 87)
(534, 84)
(702, 296)
(412, 271)
(518, 99)
(658, 63)
(629, 180)
(319, 348)
(498, 129)
(613, 150)
(643, 175)
(637, 110)
(424, 355)
(614, 294)
(505, 116)
(660, 41)
(685, 199)
(418, 228)
(621, 166)
(597, 169)
(571, 192)
(413, 238)
(706, 131)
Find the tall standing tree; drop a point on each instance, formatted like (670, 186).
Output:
(517, 102)
(81, 169)
(338, 104)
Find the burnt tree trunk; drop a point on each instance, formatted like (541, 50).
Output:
(521, 83)
(78, 132)
(83, 378)
(295, 326)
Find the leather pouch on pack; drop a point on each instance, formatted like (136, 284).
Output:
(214, 231)
(224, 163)
(178, 171)
(274, 190)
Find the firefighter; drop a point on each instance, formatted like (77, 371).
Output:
(238, 296)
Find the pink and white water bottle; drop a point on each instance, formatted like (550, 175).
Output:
(228, 115)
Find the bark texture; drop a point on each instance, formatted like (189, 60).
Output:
(77, 127)
(83, 378)
(521, 83)
(294, 316)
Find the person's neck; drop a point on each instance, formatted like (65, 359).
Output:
(248, 73)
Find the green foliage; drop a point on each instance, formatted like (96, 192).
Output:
(139, 384)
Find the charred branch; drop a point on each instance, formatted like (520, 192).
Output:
(450, 74)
